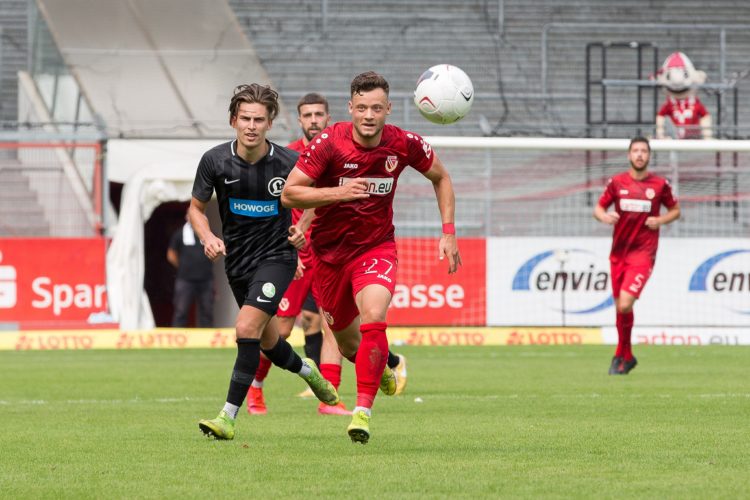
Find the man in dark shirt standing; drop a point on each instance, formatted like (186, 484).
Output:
(258, 241)
(195, 278)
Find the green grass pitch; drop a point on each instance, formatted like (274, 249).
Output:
(492, 422)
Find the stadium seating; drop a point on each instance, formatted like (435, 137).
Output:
(13, 54)
(304, 50)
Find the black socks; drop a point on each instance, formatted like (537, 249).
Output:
(248, 357)
(313, 344)
(283, 356)
(392, 360)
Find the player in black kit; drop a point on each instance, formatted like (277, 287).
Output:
(248, 175)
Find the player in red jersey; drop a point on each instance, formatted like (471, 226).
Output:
(313, 116)
(638, 196)
(349, 174)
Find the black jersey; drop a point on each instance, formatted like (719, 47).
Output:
(254, 223)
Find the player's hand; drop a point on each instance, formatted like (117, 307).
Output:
(611, 218)
(300, 269)
(448, 247)
(213, 247)
(296, 237)
(653, 223)
(356, 189)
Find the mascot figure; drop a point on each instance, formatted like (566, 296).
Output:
(679, 79)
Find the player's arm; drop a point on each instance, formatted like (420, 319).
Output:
(672, 215)
(298, 230)
(213, 246)
(305, 221)
(601, 214)
(605, 200)
(446, 199)
(172, 257)
(299, 191)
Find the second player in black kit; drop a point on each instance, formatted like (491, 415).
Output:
(248, 176)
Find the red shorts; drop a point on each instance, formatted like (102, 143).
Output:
(629, 278)
(295, 296)
(336, 285)
(299, 291)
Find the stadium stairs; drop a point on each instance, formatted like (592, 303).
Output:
(21, 214)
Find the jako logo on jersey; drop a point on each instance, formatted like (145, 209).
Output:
(379, 186)
(580, 279)
(276, 186)
(351, 166)
(726, 273)
(253, 208)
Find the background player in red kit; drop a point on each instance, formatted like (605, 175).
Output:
(638, 196)
(354, 167)
(313, 116)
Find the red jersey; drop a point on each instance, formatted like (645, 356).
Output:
(635, 201)
(304, 252)
(345, 229)
(686, 114)
(298, 145)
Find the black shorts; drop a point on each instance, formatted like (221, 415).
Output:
(310, 304)
(265, 287)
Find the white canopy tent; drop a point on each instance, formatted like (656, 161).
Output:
(157, 172)
(145, 190)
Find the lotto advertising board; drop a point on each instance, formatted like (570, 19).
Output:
(52, 283)
(566, 281)
(427, 295)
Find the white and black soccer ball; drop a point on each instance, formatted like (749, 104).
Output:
(444, 94)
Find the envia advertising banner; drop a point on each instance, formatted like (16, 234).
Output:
(566, 281)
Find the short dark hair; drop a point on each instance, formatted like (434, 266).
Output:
(637, 139)
(367, 81)
(312, 98)
(252, 93)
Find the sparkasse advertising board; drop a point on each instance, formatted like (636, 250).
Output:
(53, 283)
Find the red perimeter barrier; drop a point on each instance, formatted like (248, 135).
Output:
(53, 283)
(427, 295)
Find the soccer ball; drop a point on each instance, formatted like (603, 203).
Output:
(444, 94)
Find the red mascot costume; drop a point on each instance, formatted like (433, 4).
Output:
(679, 79)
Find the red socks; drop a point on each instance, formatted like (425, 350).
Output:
(370, 362)
(332, 373)
(263, 367)
(624, 328)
